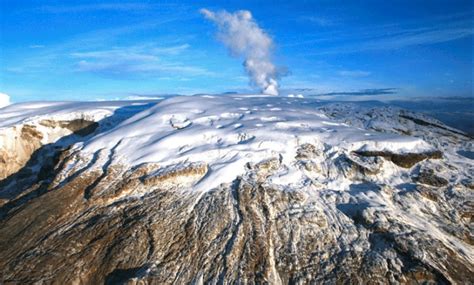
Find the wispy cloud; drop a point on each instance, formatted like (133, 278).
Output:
(354, 73)
(96, 44)
(392, 36)
(36, 46)
(136, 52)
(136, 61)
(94, 7)
(409, 38)
(318, 20)
(364, 92)
(132, 69)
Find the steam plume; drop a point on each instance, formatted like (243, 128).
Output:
(243, 37)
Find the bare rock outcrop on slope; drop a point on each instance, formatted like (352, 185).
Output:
(19, 143)
(405, 160)
(245, 232)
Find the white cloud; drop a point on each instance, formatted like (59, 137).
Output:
(4, 100)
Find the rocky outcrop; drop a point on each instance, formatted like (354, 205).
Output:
(18, 143)
(406, 160)
(428, 177)
(79, 127)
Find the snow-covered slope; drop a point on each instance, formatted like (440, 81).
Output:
(226, 133)
(235, 188)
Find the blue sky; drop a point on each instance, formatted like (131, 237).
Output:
(87, 50)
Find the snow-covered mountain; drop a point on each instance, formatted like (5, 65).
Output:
(233, 189)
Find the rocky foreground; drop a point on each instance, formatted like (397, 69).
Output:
(233, 189)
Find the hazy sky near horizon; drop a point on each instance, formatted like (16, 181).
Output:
(86, 50)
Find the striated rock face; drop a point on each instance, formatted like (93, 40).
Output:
(245, 232)
(19, 143)
(318, 213)
(26, 140)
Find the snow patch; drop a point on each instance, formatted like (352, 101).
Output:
(4, 100)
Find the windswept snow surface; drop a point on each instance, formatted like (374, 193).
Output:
(30, 112)
(16, 116)
(227, 132)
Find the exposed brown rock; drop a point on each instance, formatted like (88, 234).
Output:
(353, 168)
(172, 176)
(26, 140)
(306, 151)
(265, 168)
(80, 127)
(29, 132)
(429, 178)
(428, 193)
(406, 160)
(17, 152)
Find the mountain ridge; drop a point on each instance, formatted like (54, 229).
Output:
(238, 188)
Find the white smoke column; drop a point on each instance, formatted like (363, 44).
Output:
(241, 34)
